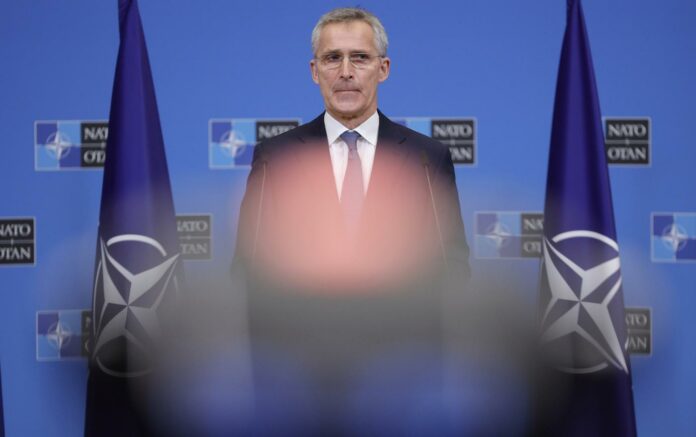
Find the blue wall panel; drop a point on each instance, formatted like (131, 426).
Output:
(493, 60)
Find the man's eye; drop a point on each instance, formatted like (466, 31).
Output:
(332, 58)
(359, 57)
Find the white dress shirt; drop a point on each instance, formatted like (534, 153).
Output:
(338, 149)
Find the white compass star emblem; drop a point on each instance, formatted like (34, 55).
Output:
(58, 335)
(131, 310)
(58, 144)
(233, 143)
(585, 311)
(674, 237)
(498, 234)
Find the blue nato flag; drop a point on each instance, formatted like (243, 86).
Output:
(582, 311)
(137, 255)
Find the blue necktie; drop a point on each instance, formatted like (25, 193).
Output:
(352, 193)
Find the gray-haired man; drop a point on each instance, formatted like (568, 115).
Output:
(348, 229)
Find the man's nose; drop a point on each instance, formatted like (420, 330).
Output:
(346, 67)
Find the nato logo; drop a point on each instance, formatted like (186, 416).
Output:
(70, 144)
(673, 236)
(639, 329)
(508, 234)
(231, 141)
(17, 241)
(194, 231)
(627, 140)
(458, 134)
(128, 300)
(582, 277)
(62, 334)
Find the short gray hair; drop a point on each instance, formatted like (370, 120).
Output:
(345, 15)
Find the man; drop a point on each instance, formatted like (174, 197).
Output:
(350, 227)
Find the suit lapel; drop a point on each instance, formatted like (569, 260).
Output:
(314, 161)
(313, 153)
(390, 155)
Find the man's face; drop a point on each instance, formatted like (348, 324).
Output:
(350, 93)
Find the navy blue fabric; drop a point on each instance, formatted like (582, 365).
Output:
(136, 226)
(578, 198)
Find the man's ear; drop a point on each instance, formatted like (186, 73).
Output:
(384, 68)
(315, 71)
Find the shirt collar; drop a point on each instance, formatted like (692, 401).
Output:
(368, 129)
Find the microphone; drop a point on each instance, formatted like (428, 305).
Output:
(425, 161)
(448, 318)
(259, 211)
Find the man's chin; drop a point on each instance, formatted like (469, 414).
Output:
(348, 112)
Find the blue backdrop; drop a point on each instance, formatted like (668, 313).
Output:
(492, 60)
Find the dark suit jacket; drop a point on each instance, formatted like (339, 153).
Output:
(329, 297)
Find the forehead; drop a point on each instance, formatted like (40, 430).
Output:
(348, 36)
